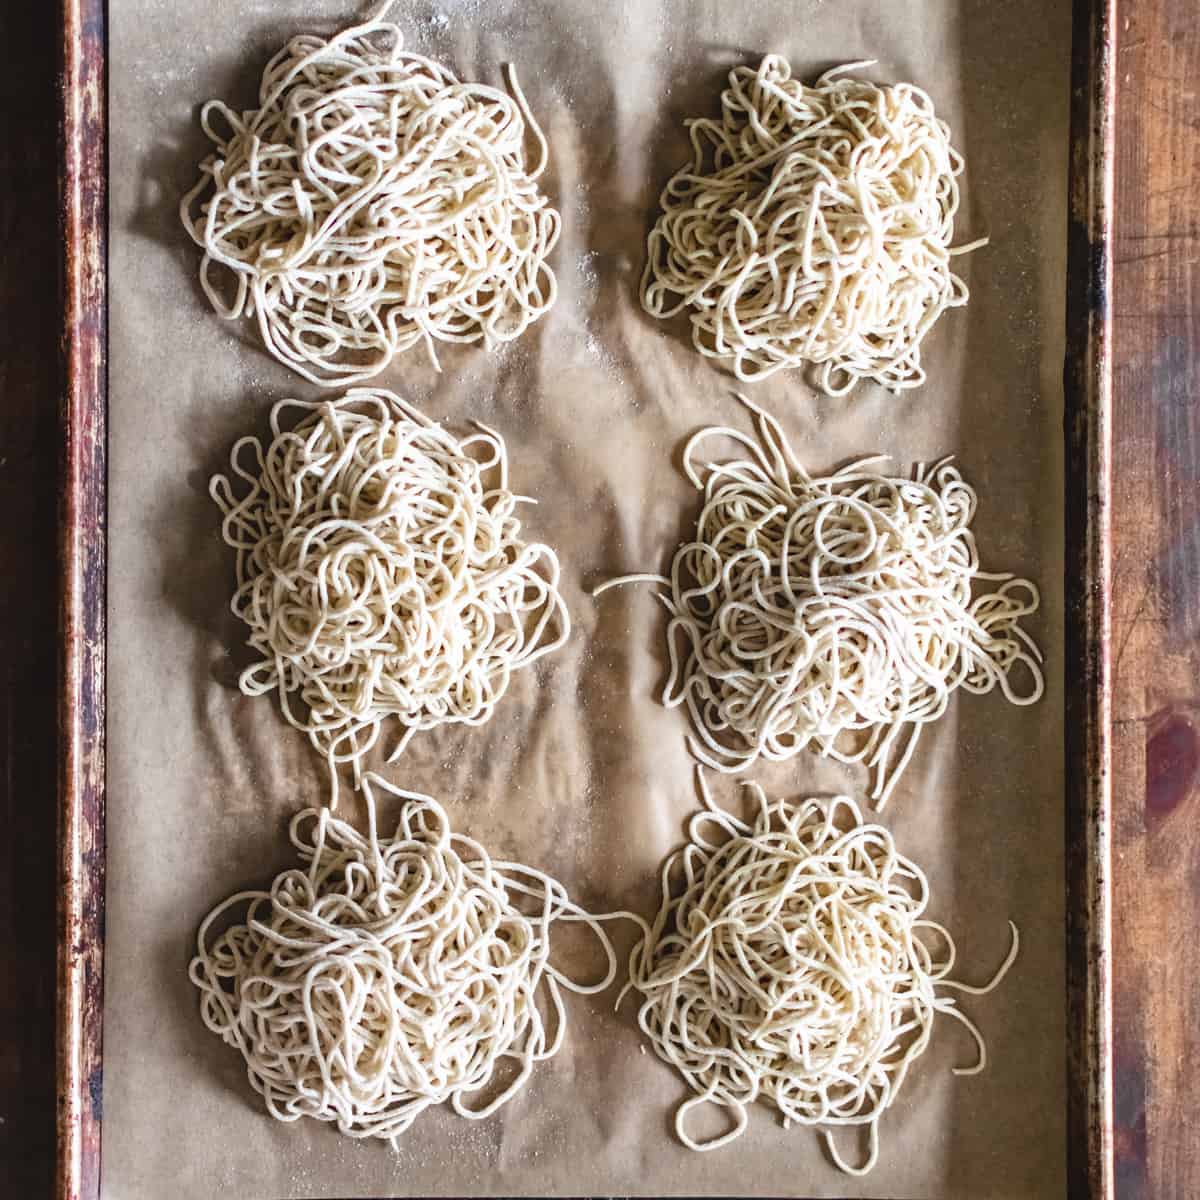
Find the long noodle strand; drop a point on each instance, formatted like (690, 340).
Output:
(787, 964)
(372, 203)
(831, 613)
(381, 572)
(812, 226)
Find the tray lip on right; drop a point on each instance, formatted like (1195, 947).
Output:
(1087, 379)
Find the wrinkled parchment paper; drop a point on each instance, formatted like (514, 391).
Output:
(582, 772)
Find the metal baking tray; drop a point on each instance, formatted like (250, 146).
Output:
(83, 560)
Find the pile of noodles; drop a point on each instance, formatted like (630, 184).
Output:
(832, 612)
(381, 572)
(372, 202)
(387, 974)
(789, 963)
(812, 226)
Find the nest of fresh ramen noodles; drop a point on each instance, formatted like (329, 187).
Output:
(389, 974)
(381, 572)
(834, 612)
(372, 202)
(789, 963)
(812, 226)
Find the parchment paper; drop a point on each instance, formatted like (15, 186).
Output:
(582, 772)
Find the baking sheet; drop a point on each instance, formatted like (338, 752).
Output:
(581, 772)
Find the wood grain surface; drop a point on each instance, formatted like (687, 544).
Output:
(1156, 601)
(29, 447)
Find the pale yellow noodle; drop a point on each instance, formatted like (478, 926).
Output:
(788, 963)
(812, 226)
(836, 613)
(388, 974)
(381, 572)
(371, 203)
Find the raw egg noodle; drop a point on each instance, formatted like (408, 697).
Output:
(371, 203)
(812, 227)
(832, 612)
(788, 963)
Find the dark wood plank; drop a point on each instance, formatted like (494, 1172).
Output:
(1156, 602)
(28, 595)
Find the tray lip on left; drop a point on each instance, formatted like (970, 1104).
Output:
(83, 232)
(83, 227)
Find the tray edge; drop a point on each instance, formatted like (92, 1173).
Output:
(1087, 379)
(82, 220)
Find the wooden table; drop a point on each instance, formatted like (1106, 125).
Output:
(1156, 604)
(28, 594)
(1156, 601)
